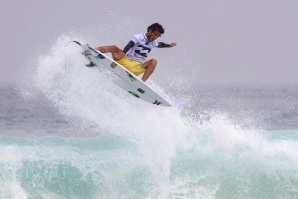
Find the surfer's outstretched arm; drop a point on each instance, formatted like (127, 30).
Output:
(164, 45)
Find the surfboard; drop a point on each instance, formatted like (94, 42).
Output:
(131, 83)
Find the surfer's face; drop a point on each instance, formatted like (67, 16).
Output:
(152, 35)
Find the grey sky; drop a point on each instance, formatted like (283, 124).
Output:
(251, 42)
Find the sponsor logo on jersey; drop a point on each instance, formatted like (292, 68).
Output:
(143, 50)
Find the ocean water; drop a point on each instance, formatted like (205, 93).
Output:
(68, 132)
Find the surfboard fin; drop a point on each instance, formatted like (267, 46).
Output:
(91, 64)
(86, 53)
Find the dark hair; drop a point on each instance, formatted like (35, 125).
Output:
(156, 27)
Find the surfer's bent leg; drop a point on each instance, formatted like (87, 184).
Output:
(149, 66)
(116, 52)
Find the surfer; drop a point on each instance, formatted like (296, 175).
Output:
(133, 56)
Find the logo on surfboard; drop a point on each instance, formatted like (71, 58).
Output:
(134, 94)
(130, 76)
(157, 102)
(113, 65)
(141, 91)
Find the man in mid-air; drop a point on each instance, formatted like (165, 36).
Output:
(133, 56)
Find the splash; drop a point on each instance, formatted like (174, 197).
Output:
(151, 151)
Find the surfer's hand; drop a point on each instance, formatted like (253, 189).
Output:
(173, 44)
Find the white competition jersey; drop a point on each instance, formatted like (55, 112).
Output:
(141, 49)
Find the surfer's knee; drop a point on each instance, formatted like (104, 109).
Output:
(153, 62)
(114, 48)
(150, 64)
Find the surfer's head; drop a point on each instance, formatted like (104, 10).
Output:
(156, 27)
(154, 31)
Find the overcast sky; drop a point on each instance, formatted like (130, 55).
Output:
(252, 42)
